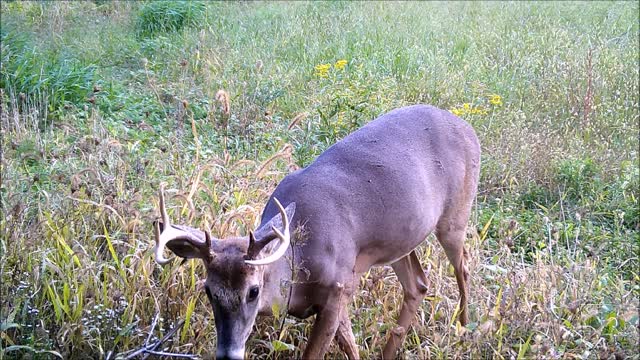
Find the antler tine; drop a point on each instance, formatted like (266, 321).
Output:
(177, 232)
(161, 241)
(284, 236)
(207, 249)
(285, 218)
(160, 259)
(163, 210)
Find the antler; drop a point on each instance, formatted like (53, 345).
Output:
(162, 238)
(284, 237)
(171, 232)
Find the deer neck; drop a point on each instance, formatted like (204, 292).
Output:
(277, 284)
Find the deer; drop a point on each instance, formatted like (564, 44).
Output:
(369, 200)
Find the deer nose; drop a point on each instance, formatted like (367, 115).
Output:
(230, 354)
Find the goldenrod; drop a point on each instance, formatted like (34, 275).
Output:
(495, 100)
(322, 70)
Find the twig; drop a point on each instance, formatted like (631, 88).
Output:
(166, 337)
(162, 353)
(153, 326)
(140, 351)
(150, 349)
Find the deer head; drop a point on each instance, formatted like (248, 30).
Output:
(235, 270)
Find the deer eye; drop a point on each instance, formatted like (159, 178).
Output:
(253, 294)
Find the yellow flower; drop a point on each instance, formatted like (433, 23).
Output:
(322, 70)
(467, 109)
(340, 64)
(495, 100)
(478, 111)
(323, 67)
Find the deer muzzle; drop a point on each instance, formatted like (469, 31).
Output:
(231, 353)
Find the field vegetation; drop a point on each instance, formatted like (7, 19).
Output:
(102, 101)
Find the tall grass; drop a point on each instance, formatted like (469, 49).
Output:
(223, 107)
(28, 74)
(168, 16)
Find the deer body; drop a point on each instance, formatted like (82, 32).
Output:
(368, 200)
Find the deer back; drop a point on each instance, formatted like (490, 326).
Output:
(384, 186)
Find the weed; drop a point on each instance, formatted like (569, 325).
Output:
(30, 76)
(159, 17)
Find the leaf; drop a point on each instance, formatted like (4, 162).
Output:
(52, 352)
(496, 308)
(275, 310)
(79, 295)
(8, 325)
(485, 228)
(495, 268)
(113, 253)
(542, 207)
(281, 346)
(190, 307)
(127, 329)
(594, 322)
(522, 352)
(472, 326)
(568, 324)
(29, 348)
(55, 300)
(18, 347)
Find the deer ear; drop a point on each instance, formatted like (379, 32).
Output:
(265, 230)
(277, 219)
(261, 240)
(185, 249)
(193, 245)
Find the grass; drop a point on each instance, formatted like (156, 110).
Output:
(168, 16)
(95, 116)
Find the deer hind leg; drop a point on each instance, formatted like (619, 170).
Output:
(326, 323)
(452, 240)
(414, 284)
(344, 336)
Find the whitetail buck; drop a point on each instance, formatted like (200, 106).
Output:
(369, 200)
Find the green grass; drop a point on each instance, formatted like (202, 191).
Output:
(168, 16)
(101, 103)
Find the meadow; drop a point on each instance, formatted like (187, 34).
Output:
(102, 101)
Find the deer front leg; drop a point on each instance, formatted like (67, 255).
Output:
(326, 324)
(344, 335)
